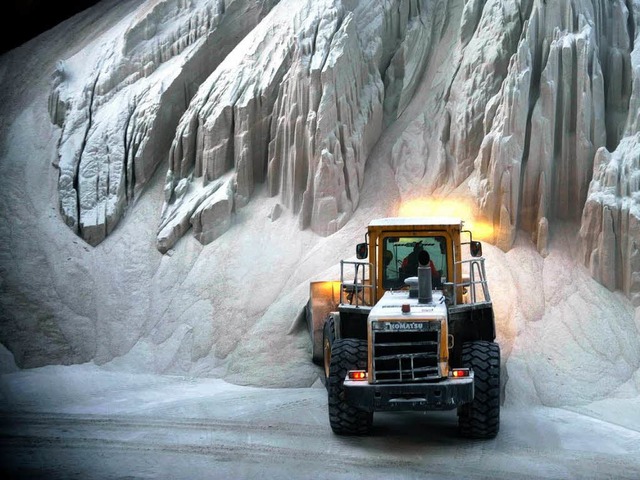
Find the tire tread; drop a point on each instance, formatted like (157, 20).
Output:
(481, 417)
(346, 354)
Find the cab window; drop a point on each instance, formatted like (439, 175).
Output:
(400, 259)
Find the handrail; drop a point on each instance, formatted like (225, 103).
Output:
(357, 287)
(476, 268)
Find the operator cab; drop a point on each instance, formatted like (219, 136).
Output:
(395, 245)
(402, 258)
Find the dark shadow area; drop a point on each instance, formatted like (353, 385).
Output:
(30, 18)
(427, 428)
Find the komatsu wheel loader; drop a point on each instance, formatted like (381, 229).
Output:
(391, 340)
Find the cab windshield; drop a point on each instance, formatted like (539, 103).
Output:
(400, 259)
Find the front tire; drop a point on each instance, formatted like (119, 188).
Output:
(481, 417)
(347, 354)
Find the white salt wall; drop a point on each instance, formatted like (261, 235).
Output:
(299, 106)
(610, 230)
(520, 101)
(569, 340)
(118, 101)
(568, 93)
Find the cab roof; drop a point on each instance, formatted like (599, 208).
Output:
(418, 221)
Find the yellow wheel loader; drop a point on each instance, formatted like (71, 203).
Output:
(409, 326)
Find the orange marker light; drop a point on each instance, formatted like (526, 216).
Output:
(357, 375)
(460, 372)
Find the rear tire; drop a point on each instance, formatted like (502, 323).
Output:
(347, 354)
(481, 417)
(328, 337)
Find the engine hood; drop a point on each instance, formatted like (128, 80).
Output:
(390, 307)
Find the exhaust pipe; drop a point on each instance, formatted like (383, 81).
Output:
(425, 287)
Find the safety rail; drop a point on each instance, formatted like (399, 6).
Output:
(361, 284)
(477, 276)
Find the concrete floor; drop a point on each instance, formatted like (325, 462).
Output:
(87, 423)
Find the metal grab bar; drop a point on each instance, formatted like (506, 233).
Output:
(361, 281)
(476, 268)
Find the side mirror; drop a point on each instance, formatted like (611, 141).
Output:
(476, 249)
(361, 251)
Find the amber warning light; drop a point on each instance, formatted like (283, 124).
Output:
(460, 372)
(357, 375)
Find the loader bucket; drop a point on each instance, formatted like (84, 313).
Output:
(323, 299)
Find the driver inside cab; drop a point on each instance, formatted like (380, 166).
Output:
(410, 264)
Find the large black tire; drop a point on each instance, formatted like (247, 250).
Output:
(481, 417)
(347, 354)
(328, 337)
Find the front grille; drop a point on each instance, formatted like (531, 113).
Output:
(406, 356)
